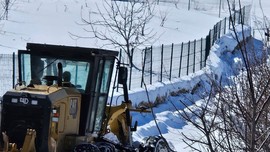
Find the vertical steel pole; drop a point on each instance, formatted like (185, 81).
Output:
(201, 60)
(171, 63)
(151, 64)
(161, 67)
(188, 57)
(180, 62)
(194, 57)
(143, 67)
(130, 71)
(225, 26)
(120, 57)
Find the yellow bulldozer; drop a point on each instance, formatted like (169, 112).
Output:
(60, 104)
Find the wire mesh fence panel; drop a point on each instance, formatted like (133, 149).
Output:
(223, 26)
(7, 74)
(197, 56)
(173, 61)
(152, 65)
(167, 60)
(218, 31)
(135, 79)
(176, 60)
(211, 36)
(157, 62)
(147, 65)
(139, 58)
(184, 60)
(203, 53)
(190, 58)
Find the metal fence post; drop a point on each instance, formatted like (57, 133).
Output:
(219, 32)
(151, 64)
(143, 67)
(201, 60)
(171, 62)
(120, 57)
(225, 22)
(194, 57)
(130, 71)
(188, 57)
(214, 34)
(130, 75)
(207, 47)
(243, 16)
(161, 63)
(230, 22)
(180, 62)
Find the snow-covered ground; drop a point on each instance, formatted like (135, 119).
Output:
(51, 21)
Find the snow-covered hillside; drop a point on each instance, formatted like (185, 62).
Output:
(52, 21)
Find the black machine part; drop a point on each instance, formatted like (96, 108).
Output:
(122, 79)
(21, 111)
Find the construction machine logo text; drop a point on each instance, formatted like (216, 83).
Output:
(24, 100)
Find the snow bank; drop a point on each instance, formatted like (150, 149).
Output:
(227, 44)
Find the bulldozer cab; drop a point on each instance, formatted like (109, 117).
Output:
(62, 91)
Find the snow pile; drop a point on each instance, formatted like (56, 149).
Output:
(223, 61)
(111, 137)
(226, 45)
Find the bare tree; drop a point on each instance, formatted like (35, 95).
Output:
(234, 114)
(203, 118)
(163, 17)
(6, 4)
(122, 24)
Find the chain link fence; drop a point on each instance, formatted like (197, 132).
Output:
(8, 72)
(166, 62)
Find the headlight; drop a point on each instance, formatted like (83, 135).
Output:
(34, 102)
(14, 100)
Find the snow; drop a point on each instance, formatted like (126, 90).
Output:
(221, 62)
(52, 21)
(112, 137)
